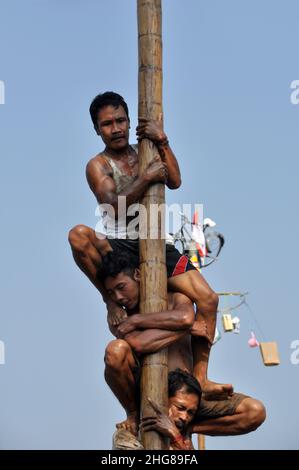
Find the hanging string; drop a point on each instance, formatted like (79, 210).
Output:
(255, 320)
(228, 309)
(243, 301)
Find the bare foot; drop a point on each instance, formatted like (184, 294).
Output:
(130, 424)
(215, 391)
(115, 315)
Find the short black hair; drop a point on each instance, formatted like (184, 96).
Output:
(109, 98)
(178, 379)
(116, 262)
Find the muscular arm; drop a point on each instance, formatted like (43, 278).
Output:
(104, 188)
(167, 156)
(152, 340)
(159, 330)
(180, 317)
(153, 130)
(182, 444)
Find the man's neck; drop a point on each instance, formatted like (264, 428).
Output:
(118, 154)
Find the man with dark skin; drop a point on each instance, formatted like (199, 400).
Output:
(113, 173)
(148, 333)
(184, 395)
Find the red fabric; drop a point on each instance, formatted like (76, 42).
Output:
(181, 265)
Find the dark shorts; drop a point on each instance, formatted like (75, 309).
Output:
(218, 408)
(176, 263)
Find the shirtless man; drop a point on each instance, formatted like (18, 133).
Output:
(113, 173)
(148, 333)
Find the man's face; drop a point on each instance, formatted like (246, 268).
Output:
(182, 408)
(124, 289)
(113, 127)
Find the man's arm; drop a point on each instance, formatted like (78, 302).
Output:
(153, 130)
(152, 340)
(181, 317)
(182, 443)
(104, 188)
(174, 175)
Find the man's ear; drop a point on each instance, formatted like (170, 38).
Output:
(137, 275)
(97, 130)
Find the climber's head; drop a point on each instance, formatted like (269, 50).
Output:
(110, 117)
(120, 274)
(184, 395)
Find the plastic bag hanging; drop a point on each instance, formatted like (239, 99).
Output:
(253, 342)
(236, 324)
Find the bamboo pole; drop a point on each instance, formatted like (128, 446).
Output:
(201, 442)
(153, 287)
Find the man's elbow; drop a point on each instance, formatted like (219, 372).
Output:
(143, 349)
(134, 343)
(188, 318)
(140, 347)
(110, 202)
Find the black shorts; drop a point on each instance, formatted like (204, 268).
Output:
(176, 263)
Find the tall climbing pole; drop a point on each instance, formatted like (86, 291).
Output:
(153, 286)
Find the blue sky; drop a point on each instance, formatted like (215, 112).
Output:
(228, 67)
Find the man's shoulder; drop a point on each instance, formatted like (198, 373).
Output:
(98, 158)
(98, 162)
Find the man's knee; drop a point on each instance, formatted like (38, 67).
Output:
(253, 415)
(257, 414)
(79, 237)
(116, 352)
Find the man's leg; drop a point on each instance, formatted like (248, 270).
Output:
(119, 374)
(194, 286)
(248, 416)
(88, 251)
